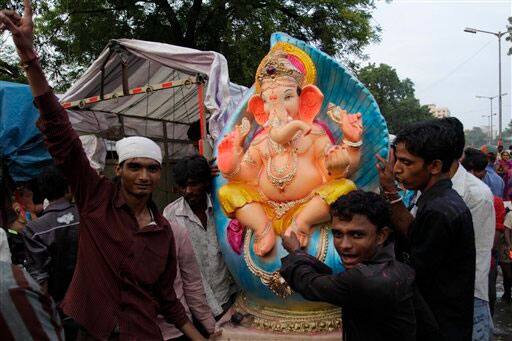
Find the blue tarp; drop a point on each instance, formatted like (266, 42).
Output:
(21, 143)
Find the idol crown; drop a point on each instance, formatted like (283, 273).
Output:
(277, 64)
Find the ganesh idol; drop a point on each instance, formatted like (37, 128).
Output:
(287, 176)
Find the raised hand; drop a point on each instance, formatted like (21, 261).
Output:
(385, 170)
(337, 161)
(22, 29)
(232, 146)
(351, 126)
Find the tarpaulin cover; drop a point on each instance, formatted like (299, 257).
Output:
(151, 63)
(21, 143)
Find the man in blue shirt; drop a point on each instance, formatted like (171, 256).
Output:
(491, 178)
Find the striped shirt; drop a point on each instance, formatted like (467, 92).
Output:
(26, 313)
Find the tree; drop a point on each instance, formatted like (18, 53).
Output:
(509, 37)
(9, 67)
(395, 97)
(71, 34)
(507, 135)
(10, 70)
(476, 137)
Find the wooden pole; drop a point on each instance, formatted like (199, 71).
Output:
(167, 165)
(202, 119)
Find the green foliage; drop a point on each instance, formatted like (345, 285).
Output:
(395, 97)
(71, 34)
(507, 135)
(9, 67)
(509, 37)
(10, 70)
(476, 137)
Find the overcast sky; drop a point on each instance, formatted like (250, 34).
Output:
(425, 41)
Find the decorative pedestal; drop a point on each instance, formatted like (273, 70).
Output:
(238, 333)
(269, 323)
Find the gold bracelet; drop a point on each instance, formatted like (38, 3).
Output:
(266, 230)
(353, 144)
(234, 172)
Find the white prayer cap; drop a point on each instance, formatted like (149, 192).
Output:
(138, 146)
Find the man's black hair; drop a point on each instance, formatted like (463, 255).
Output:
(430, 141)
(194, 168)
(52, 183)
(456, 128)
(474, 160)
(194, 130)
(491, 157)
(368, 204)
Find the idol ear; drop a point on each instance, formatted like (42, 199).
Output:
(256, 107)
(311, 99)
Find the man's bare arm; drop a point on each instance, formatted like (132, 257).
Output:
(62, 141)
(191, 332)
(22, 29)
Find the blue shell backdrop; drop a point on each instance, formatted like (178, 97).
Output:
(340, 87)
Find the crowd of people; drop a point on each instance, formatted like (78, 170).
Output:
(98, 260)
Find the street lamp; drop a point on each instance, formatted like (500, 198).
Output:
(499, 35)
(490, 98)
(489, 117)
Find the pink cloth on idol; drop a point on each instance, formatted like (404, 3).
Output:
(188, 286)
(235, 235)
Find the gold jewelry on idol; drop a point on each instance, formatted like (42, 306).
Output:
(282, 181)
(273, 279)
(248, 159)
(282, 207)
(245, 126)
(234, 172)
(334, 112)
(286, 60)
(353, 144)
(266, 230)
(282, 176)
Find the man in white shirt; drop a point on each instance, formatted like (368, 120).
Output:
(194, 211)
(5, 252)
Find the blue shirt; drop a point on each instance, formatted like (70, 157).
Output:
(494, 181)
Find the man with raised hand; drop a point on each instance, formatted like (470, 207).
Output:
(126, 259)
(440, 238)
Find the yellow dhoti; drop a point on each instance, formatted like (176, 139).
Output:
(233, 196)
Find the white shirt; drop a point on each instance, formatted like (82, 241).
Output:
(5, 252)
(479, 199)
(217, 281)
